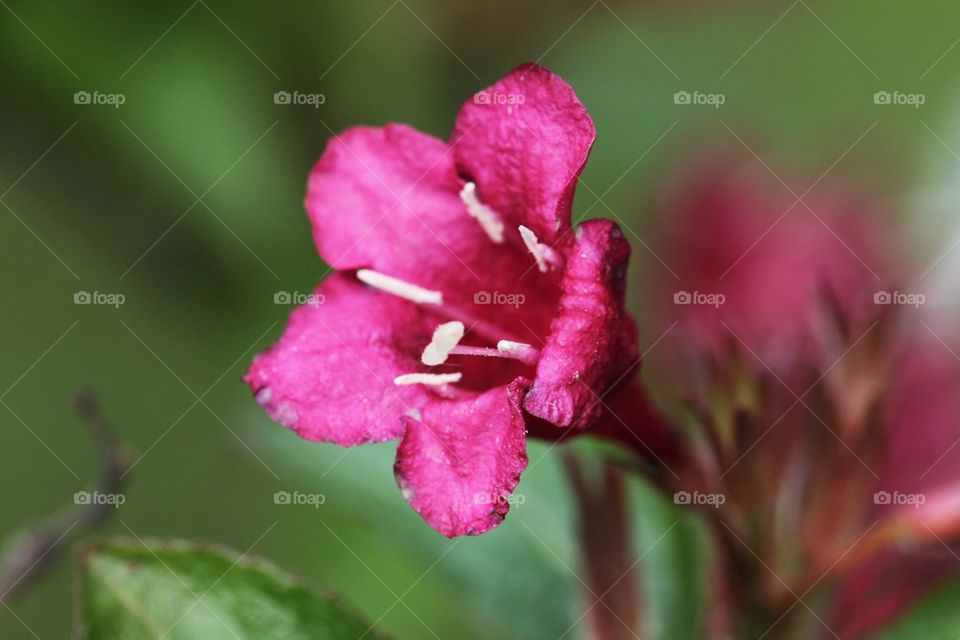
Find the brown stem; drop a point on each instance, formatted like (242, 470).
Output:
(612, 594)
(33, 549)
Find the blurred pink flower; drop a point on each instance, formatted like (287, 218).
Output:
(440, 244)
(830, 420)
(734, 232)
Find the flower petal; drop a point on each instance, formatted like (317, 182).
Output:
(524, 142)
(592, 341)
(330, 377)
(388, 199)
(459, 462)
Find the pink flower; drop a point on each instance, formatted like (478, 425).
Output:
(465, 307)
(828, 415)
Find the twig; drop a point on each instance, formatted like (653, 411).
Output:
(32, 550)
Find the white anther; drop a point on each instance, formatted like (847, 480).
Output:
(508, 346)
(445, 338)
(399, 287)
(431, 379)
(488, 218)
(540, 252)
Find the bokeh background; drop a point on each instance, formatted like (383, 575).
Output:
(186, 199)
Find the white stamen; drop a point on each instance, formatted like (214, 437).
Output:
(399, 287)
(541, 252)
(520, 351)
(487, 217)
(445, 338)
(432, 379)
(508, 346)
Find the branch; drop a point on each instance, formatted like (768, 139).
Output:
(32, 550)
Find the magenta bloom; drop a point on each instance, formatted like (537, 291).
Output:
(465, 309)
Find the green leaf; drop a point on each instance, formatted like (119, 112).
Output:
(674, 561)
(934, 618)
(134, 590)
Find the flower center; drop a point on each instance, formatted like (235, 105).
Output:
(446, 342)
(446, 337)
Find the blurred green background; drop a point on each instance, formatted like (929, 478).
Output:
(186, 199)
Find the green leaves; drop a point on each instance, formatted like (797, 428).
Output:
(132, 590)
(934, 618)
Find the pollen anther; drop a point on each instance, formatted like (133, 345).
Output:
(445, 338)
(545, 256)
(488, 218)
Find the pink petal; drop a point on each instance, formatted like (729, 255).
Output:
(388, 200)
(330, 377)
(592, 341)
(525, 158)
(459, 462)
(923, 453)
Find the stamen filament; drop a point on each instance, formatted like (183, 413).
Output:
(399, 288)
(431, 379)
(505, 349)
